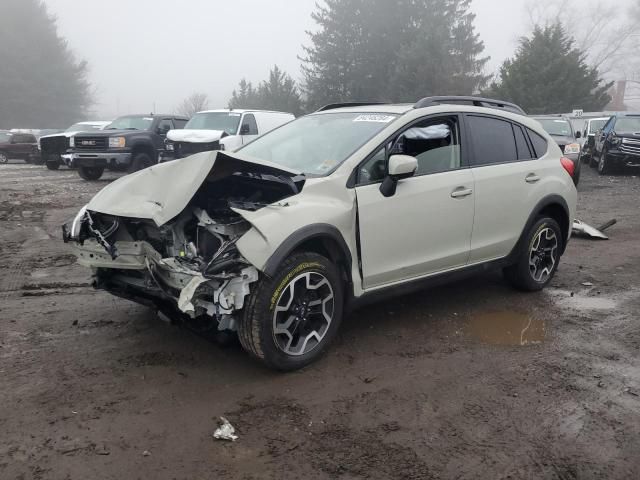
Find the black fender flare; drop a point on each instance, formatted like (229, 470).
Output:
(299, 237)
(141, 145)
(540, 206)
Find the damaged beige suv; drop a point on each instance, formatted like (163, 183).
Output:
(276, 241)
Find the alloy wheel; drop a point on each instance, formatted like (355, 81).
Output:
(543, 255)
(303, 314)
(3, 158)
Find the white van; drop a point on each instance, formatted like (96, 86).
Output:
(222, 130)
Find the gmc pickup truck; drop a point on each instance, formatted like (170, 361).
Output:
(132, 143)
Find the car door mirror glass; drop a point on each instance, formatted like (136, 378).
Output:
(245, 129)
(578, 135)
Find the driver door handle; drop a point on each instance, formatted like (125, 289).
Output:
(532, 178)
(461, 192)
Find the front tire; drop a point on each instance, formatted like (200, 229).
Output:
(53, 165)
(140, 162)
(538, 257)
(90, 173)
(290, 319)
(3, 158)
(604, 164)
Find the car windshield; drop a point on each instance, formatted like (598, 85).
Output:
(558, 128)
(82, 127)
(221, 121)
(628, 125)
(317, 144)
(5, 137)
(595, 125)
(131, 123)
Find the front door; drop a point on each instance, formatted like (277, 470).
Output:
(426, 226)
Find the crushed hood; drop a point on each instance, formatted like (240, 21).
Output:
(196, 136)
(160, 193)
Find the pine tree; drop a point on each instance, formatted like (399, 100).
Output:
(376, 50)
(279, 93)
(42, 83)
(549, 75)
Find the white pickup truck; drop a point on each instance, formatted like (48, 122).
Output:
(221, 130)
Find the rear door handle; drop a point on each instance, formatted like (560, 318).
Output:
(461, 192)
(532, 178)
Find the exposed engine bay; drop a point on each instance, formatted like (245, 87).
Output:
(188, 268)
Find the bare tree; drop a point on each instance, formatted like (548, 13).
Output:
(194, 103)
(607, 32)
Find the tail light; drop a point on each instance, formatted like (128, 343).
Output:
(568, 165)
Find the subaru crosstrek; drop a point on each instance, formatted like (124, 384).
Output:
(276, 241)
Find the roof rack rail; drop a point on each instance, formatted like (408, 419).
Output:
(470, 100)
(333, 106)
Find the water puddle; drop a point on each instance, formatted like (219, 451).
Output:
(506, 328)
(582, 302)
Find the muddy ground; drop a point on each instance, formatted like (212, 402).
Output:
(472, 380)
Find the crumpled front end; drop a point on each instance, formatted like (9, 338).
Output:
(189, 267)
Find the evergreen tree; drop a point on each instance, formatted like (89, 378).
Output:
(549, 75)
(42, 84)
(279, 93)
(376, 50)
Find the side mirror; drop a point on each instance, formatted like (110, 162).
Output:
(578, 134)
(400, 167)
(163, 130)
(245, 129)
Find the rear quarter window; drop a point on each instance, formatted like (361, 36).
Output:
(540, 144)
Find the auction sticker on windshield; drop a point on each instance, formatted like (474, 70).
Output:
(375, 118)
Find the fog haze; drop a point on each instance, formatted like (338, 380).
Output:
(153, 53)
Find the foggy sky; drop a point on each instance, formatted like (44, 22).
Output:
(156, 52)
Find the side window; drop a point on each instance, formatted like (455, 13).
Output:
(22, 138)
(524, 152)
(434, 142)
(180, 123)
(249, 125)
(493, 141)
(165, 125)
(539, 143)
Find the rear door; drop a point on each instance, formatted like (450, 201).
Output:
(507, 175)
(426, 226)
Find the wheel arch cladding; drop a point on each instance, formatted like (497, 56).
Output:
(143, 147)
(553, 206)
(323, 239)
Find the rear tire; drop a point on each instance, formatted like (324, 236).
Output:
(290, 319)
(90, 173)
(538, 256)
(140, 162)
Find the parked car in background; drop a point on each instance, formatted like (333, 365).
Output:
(589, 130)
(561, 129)
(222, 130)
(276, 240)
(618, 143)
(131, 142)
(19, 146)
(54, 148)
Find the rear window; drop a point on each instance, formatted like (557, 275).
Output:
(540, 144)
(493, 141)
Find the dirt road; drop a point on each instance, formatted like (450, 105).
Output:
(472, 380)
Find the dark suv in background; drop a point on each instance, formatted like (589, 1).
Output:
(22, 146)
(132, 142)
(561, 129)
(617, 144)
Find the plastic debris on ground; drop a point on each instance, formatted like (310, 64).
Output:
(225, 431)
(583, 230)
